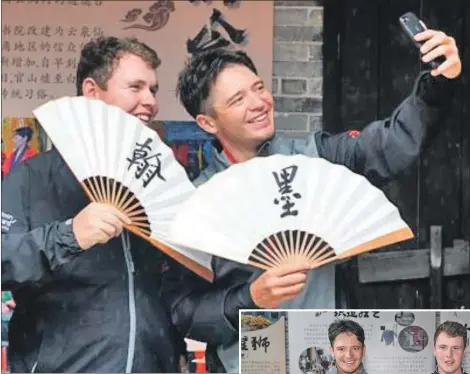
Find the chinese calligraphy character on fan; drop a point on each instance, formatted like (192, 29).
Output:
(147, 165)
(284, 181)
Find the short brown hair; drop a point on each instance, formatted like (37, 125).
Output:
(347, 326)
(453, 329)
(99, 58)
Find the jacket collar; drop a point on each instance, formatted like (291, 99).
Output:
(436, 370)
(334, 370)
(221, 157)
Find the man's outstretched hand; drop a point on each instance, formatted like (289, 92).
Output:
(438, 43)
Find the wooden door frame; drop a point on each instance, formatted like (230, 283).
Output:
(332, 122)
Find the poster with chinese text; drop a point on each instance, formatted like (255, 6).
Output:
(42, 40)
(396, 342)
(263, 342)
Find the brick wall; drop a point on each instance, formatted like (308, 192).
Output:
(297, 65)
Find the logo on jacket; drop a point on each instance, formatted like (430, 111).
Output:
(353, 133)
(7, 221)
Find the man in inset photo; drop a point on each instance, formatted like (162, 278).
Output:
(347, 347)
(450, 342)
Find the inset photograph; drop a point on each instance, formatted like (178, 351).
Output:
(354, 341)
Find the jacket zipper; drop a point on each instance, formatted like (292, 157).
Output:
(126, 246)
(33, 369)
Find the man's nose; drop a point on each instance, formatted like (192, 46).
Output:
(449, 353)
(255, 101)
(149, 98)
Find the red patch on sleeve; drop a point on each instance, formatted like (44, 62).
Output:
(353, 133)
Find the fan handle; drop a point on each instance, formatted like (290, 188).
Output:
(190, 264)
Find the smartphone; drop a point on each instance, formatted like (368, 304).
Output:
(412, 25)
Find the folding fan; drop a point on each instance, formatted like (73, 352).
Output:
(120, 161)
(278, 209)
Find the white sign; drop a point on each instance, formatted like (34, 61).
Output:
(396, 343)
(263, 343)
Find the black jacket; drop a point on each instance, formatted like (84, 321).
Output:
(97, 310)
(381, 152)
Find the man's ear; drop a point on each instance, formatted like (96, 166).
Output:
(90, 88)
(206, 123)
(363, 350)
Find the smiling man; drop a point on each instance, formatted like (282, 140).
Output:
(222, 90)
(347, 347)
(450, 342)
(87, 292)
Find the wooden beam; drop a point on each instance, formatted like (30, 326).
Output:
(412, 264)
(465, 48)
(436, 269)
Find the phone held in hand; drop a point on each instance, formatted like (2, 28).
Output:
(412, 25)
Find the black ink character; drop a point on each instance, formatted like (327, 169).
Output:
(260, 343)
(284, 181)
(144, 168)
(209, 38)
(244, 343)
(237, 36)
(156, 17)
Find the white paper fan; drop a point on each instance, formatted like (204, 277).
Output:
(120, 161)
(278, 209)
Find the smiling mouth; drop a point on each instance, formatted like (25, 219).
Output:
(144, 117)
(259, 118)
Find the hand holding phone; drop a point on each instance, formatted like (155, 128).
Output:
(412, 25)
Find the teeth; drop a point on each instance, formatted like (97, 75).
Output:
(259, 118)
(143, 117)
